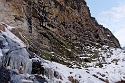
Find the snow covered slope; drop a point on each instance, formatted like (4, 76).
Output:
(111, 72)
(19, 66)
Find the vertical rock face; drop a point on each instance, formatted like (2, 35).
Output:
(64, 27)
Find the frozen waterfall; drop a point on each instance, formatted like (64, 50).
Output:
(12, 54)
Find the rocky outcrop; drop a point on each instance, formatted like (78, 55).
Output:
(56, 27)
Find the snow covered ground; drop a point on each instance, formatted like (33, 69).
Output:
(111, 72)
(114, 69)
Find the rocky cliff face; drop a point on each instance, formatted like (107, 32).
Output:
(58, 30)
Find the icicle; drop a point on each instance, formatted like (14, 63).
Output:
(1, 57)
(49, 73)
(18, 58)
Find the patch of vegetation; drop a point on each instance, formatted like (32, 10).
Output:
(45, 55)
(99, 64)
(49, 57)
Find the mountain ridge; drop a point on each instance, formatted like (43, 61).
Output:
(62, 27)
(56, 41)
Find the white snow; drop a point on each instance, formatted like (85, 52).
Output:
(80, 74)
(10, 27)
(110, 71)
(35, 59)
(1, 53)
(26, 81)
(113, 70)
(9, 34)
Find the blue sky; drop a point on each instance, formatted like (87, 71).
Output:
(111, 14)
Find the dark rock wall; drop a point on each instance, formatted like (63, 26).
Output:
(70, 20)
(62, 26)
